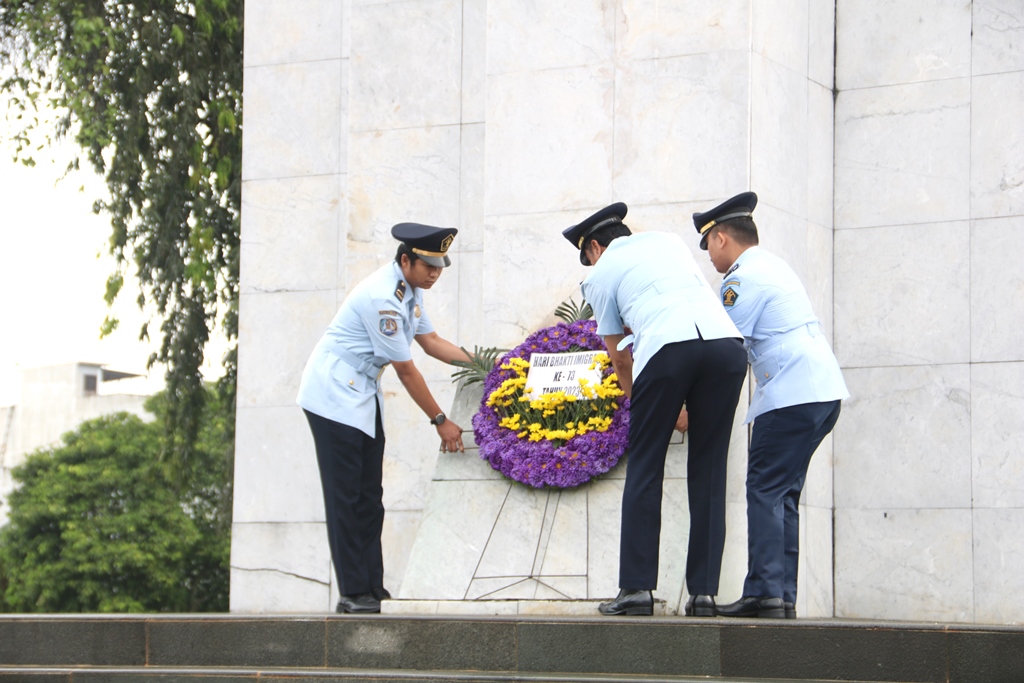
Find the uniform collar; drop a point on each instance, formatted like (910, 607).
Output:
(748, 254)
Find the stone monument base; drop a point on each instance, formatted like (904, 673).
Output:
(489, 545)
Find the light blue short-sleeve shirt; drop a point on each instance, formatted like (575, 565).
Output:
(790, 359)
(650, 283)
(375, 326)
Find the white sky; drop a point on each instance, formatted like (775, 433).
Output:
(54, 264)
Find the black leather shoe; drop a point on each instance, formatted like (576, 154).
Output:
(752, 606)
(790, 610)
(382, 593)
(364, 603)
(700, 606)
(639, 603)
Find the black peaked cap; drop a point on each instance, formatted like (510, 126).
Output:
(578, 234)
(735, 207)
(426, 241)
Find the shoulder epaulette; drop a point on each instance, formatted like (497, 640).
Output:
(730, 271)
(400, 291)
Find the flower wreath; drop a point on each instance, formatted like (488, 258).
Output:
(553, 439)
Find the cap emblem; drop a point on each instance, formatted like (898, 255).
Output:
(447, 242)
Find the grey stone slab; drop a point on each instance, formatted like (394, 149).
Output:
(561, 588)
(512, 547)
(986, 657)
(884, 43)
(995, 319)
(998, 557)
(241, 642)
(396, 643)
(903, 154)
(468, 466)
(997, 421)
(677, 123)
(997, 32)
(530, 114)
(565, 552)
(862, 654)
(456, 525)
(886, 310)
(488, 588)
(904, 564)
(904, 439)
(619, 647)
(72, 640)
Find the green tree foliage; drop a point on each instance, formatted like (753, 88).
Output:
(151, 90)
(97, 525)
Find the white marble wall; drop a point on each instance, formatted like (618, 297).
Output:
(929, 219)
(511, 125)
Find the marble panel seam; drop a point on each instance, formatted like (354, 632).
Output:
(904, 84)
(283, 290)
(305, 176)
(266, 65)
(922, 364)
(280, 571)
(429, 126)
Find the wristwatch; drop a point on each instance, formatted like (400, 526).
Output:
(438, 420)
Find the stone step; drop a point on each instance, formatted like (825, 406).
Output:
(284, 675)
(497, 608)
(387, 647)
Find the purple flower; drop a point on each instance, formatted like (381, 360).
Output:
(543, 463)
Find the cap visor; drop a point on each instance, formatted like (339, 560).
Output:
(704, 241)
(437, 261)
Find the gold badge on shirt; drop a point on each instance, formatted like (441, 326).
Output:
(416, 310)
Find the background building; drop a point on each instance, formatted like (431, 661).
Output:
(886, 143)
(54, 400)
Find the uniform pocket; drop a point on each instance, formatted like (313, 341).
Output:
(765, 368)
(346, 377)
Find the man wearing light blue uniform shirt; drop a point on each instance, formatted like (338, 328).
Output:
(685, 350)
(796, 404)
(340, 393)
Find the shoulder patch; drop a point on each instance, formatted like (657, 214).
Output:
(387, 312)
(733, 282)
(729, 297)
(400, 290)
(731, 270)
(388, 327)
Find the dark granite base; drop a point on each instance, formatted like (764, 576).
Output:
(501, 648)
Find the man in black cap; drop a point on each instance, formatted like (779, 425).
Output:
(795, 405)
(340, 394)
(685, 350)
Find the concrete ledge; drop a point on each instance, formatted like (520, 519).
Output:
(515, 647)
(495, 608)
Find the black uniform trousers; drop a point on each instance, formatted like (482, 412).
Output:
(351, 469)
(781, 446)
(707, 375)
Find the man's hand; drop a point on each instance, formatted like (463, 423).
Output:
(683, 422)
(451, 437)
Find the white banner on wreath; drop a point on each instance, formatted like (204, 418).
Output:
(551, 372)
